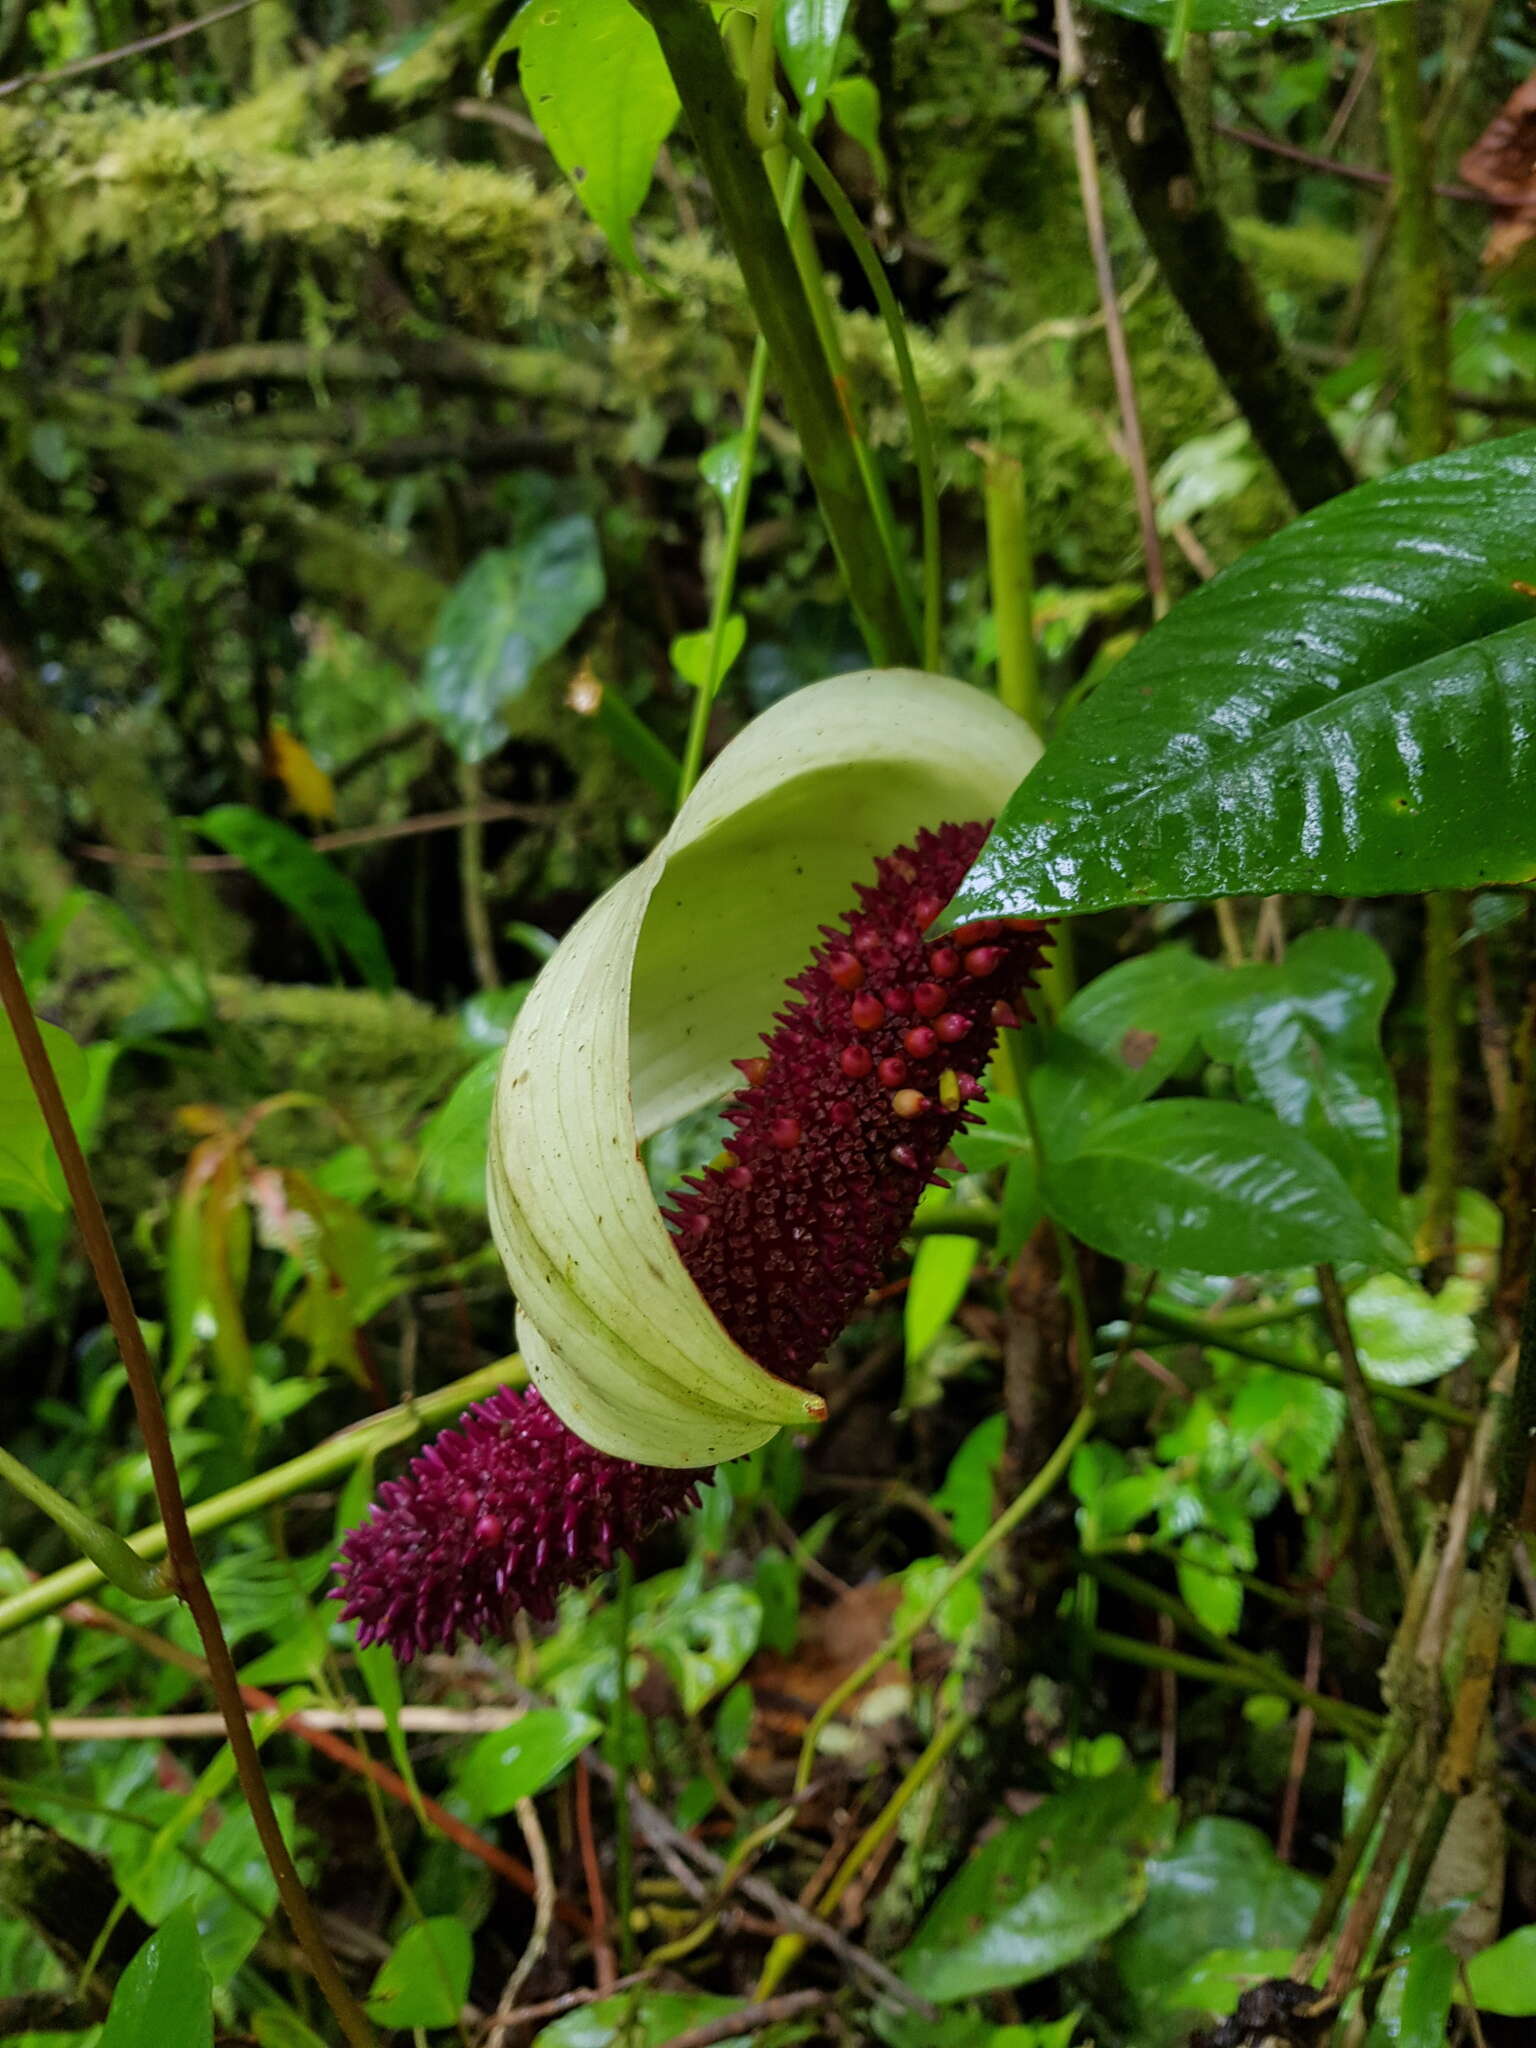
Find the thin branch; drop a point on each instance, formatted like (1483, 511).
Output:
(81, 65)
(332, 842)
(309, 1728)
(1138, 112)
(1114, 326)
(196, 1727)
(1357, 1393)
(751, 2019)
(185, 1568)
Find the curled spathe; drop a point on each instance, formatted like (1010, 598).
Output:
(671, 976)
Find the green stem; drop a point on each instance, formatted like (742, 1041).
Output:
(1267, 1676)
(1023, 1503)
(725, 576)
(106, 1550)
(1179, 28)
(1183, 1322)
(1420, 282)
(312, 1468)
(852, 230)
(788, 1949)
(1153, 1657)
(1011, 572)
(712, 102)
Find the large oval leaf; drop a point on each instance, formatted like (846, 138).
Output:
(1043, 1891)
(1350, 710)
(1211, 1186)
(1246, 17)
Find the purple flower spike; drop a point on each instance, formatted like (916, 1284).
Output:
(868, 1075)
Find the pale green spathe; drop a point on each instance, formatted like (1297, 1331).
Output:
(670, 976)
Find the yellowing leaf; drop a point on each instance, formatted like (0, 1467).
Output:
(310, 790)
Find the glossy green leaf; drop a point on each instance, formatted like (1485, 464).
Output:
(513, 1763)
(1304, 1037)
(1210, 1186)
(598, 86)
(1221, 1887)
(941, 1272)
(511, 610)
(317, 893)
(1428, 1988)
(1242, 17)
(28, 1175)
(703, 1638)
(855, 102)
(1119, 1040)
(1042, 1892)
(1208, 1582)
(1503, 1978)
(26, 1655)
(1406, 1335)
(808, 32)
(164, 1996)
(690, 652)
(426, 1981)
(453, 1142)
(1349, 710)
(968, 1495)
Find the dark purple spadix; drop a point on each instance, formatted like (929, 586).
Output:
(866, 1077)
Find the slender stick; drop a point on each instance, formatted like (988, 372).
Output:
(1071, 79)
(1358, 1394)
(1420, 281)
(1198, 1329)
(713, 104)
(1426, 364)
(624, 1842)
(186, 1572)
(852, 229)
(1023, 1503)
(789, 1948)
(725, 575)
(161, 37)
(1440, 981)
(1166, 179)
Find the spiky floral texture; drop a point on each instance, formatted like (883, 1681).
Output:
(867, 1076)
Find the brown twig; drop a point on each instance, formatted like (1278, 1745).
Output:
(1301, 1746)
(751, 2019)
(1071, 82)
(1363, 1417)
(1141, 118)
(184, 1567)
(604, 1961)
(308, 1727)
(1311, 159)
(174, 34)
(331, 842)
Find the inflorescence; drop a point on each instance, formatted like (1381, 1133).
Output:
(869, 1073)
